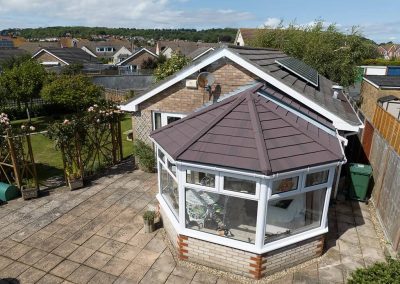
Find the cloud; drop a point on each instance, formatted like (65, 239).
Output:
(272, 22)
(116, 13)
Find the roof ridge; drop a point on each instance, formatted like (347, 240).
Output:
(260, 142)
(304, 130)
(203, 131)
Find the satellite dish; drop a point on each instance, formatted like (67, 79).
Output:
(205, 80)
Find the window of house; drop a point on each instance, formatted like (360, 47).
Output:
(221, 215)
(169, 190)
(317, 178)
(200, 178)
(295, 214)
(285, 185)
(240, 185)
(161, 119)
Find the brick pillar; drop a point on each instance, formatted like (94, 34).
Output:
(182, 247)
(256, 267)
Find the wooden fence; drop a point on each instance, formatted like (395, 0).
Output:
(388, 126)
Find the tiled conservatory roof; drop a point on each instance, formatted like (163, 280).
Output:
(248, 132)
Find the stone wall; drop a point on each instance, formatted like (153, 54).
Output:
(179, 99)
(369, 96)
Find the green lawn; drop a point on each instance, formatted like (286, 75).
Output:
(48, 159)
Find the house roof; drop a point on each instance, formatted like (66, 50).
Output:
(248, 34)
(6, 53)
(91, 45)
(248, 132)
(136, 53)
(383, 81)
(262, 63)
(184, 47)
(33, 47)
(71, 55)
(201, 51)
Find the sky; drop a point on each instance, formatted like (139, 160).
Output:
(377, 20)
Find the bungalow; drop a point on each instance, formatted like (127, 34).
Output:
(184, 47)
(137, 58)
(246, 165)
(122, 54)
(50, 57)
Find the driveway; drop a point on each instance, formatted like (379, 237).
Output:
(95, 235)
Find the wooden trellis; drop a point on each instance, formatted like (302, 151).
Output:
(17, 163)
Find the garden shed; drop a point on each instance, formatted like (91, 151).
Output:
(245, 184)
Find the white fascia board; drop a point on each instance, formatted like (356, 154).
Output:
(134, 54)
(200, 55)
(337, 121)
(44, 50)
(133, 105)
(372, 83)
(87, 50)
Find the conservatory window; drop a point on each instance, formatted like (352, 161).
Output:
(295, 214)
(317, 178)
(200, 178)
(222, 215)
(171, 167)
(161, 155)
(240, 185)
(169, 190)
(285, 185)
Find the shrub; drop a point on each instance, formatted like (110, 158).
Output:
(145, 154)
(149, 215)
(380, 272)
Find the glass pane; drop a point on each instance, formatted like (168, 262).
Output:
(292, 215)
(221, 215)
(284, 185)
(200, 178)
(240, 185)
(161, 155)
(171, 119)
(317, 178)
(172, 167)
(157, 120)
(169, 190)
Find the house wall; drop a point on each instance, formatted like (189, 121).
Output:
(369, 96)
(45, 57)
(179, 99)
(139, 59)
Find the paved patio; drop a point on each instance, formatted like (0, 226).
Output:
(95, 235)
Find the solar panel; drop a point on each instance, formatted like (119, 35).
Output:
(300, 69)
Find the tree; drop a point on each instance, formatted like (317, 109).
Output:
(73, 92)
(149, 63)
(14, 61)
(72, 69)
(332, 53)
(23, 82)
(170, 66)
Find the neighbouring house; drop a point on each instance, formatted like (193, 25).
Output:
(377, 87)
(33, 47)
(122, 54)
(245, 36)
(104, 49)
(184, 47)
(389, 51)
(8, 53)
(380, 70)
(134, 62)
(246, 167)
(50, 57)
(201, 51)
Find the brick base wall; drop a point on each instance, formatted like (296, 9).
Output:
(242, 262)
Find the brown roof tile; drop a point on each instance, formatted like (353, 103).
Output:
(251, 133)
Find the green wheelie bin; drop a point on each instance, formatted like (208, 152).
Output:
(360, 176)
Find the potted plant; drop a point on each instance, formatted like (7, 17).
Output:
(29, 190)
(74, 177)
(148, 218)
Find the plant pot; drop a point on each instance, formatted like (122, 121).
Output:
(28, 193)
(75, 183)
(148, 226)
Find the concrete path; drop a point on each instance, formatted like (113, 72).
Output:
(95, 235)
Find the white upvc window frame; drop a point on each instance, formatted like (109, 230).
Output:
(164, 117)
(263, 196)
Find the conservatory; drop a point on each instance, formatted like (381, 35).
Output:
(245, 184)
